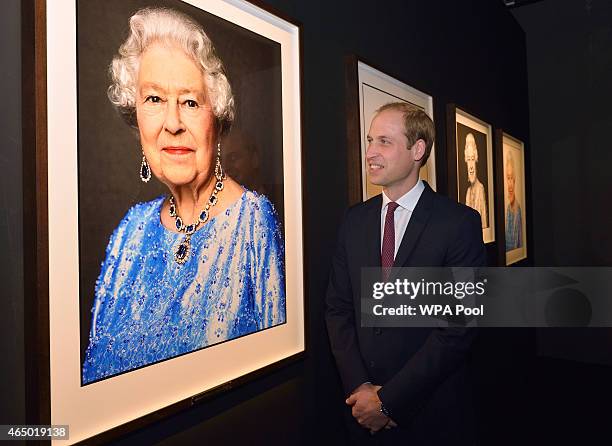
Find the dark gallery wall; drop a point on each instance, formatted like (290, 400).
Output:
(569, 55)
(471, 53)
(12, 381)
(569, 65)
(569, 60)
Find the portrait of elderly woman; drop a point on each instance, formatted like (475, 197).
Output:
(514, 218)
(204, 262)
(513, 155)
(475, 196)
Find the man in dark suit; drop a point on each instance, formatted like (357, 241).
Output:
(403, 384)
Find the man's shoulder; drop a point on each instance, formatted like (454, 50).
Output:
(363, 208)
(448, 208)
(441, 205)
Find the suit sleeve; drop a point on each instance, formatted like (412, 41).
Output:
(340, 319)
(445, 349)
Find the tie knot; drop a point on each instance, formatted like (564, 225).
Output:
(392, 206)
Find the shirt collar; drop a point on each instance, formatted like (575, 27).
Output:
(409, 200)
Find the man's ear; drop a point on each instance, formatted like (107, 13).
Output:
(419, 150)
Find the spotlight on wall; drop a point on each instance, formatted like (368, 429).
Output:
(518, 3)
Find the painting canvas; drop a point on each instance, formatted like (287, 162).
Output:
(134, 301)
(474, 154)
(254, 74)
(514, 199)
(376, 89)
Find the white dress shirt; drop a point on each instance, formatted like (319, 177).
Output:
(402, 214)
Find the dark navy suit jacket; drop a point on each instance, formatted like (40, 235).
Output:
(421, 370)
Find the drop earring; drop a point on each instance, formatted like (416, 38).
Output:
(218, 169)
(145, 170)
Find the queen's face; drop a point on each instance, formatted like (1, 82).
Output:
(470, 160)
(175, 118)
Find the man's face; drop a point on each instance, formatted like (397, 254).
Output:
(510, 180)
(470, 160)
(389, 159)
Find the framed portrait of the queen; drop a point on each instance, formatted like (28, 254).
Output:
(174, 230)
(515, 226)
(471, 163)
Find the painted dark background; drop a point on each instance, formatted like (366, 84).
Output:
(547, 83)
(481, 164)
(109, 151)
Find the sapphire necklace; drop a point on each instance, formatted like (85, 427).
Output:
(182, 252)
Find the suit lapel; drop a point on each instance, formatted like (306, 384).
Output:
(372, 227)
(418, 221)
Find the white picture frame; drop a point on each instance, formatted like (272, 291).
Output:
(104, 405)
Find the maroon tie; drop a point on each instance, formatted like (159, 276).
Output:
(388, 247)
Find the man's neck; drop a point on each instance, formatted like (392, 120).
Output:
(398, 190)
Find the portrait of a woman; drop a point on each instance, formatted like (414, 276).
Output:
(203, 263)
(514, 218)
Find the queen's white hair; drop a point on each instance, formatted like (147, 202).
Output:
(167, 26)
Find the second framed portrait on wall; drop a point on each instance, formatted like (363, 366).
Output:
(515, 226)
(368, 89)
(175, 203)
(470, 145)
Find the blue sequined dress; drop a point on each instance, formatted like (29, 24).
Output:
(148, 308)
(514, 228)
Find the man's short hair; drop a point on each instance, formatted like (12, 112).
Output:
(417, 125)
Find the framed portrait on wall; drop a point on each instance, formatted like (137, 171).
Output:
(470, 141)
(175, 253)
(368, 89)
(515, 226)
